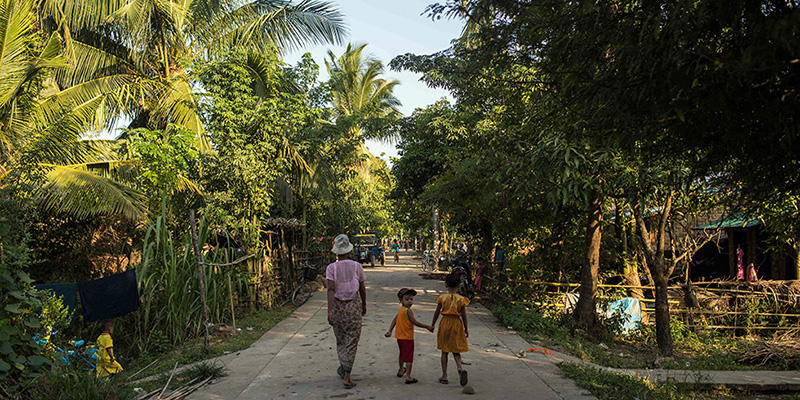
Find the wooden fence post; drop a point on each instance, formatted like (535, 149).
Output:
(200, 279)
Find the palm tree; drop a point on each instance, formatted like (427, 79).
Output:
(106, 59)
(32, 148)
(142, 50)
(358, 93)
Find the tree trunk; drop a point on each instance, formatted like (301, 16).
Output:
(797, 262)
(630, 272)
(659, 271)
(584, 315)
(436, 230)
(201, 284)
(487, 240)
(663, 330)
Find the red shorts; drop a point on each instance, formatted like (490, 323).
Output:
(406, 350)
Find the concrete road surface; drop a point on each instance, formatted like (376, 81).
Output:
(297, 358)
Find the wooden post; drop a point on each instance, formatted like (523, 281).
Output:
(200, 279)
(751, 248)
(731, 253)
(230, 292)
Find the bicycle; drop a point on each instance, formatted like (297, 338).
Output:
(301, 294)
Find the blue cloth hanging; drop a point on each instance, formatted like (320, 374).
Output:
(68, 292)
(109, 297)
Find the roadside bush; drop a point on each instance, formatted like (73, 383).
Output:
(66, 383)
(532, 322)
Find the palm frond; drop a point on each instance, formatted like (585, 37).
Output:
(261, 23)
(83, 194)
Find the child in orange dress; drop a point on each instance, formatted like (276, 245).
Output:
(405, 321)
(453, 330)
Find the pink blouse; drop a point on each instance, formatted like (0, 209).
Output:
(346, 274)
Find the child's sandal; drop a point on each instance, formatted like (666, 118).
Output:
(443, 381)
(403, 372)
(463, 376)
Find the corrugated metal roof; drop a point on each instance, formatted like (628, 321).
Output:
(732, 221)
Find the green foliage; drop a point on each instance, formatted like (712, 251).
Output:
(205, 370)
(164, 157)
(252, 118)
(611, 386)
(171, 311)
(68, 383)
(21, 358)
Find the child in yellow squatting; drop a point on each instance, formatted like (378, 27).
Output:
(453, 330)
(107, 365)
(405, 321)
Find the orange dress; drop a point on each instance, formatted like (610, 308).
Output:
(451, 337)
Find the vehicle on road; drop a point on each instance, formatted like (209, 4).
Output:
(368, 249)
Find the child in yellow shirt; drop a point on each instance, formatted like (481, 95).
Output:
(107, 365)
(405, 321)
(453, 330)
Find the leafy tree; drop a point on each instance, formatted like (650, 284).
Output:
(252, 114)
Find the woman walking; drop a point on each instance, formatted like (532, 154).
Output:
(347, 303)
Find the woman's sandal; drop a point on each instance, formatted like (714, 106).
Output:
(340, 372)
(400, 375)
(443, 381)
(412, 381)
(350, 386)
(463, 375)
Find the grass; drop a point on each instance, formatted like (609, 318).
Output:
(611, 386)
(707, 351)
(192, 351)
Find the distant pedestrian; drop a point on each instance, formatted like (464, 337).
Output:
(107, 364)
(499, 257)
(347, 303)
(405, 322)
(480, 270)
(396, 250)
(453, 330)
(405, 245)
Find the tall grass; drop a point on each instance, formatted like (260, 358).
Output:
(167, 279)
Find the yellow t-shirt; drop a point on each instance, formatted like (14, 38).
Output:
(404, 329)
(452, 303)
(104, 365)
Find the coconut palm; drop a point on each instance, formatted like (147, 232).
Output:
(107, 59)
(34, 150)
(358, 93)
(143, 49)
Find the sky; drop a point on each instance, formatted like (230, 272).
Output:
(391, 28)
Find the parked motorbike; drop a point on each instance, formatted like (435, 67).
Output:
(467, 288)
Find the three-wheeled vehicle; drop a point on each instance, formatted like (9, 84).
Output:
(368, 249)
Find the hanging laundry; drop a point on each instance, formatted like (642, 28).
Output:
(68, 292)
(740, 263)
(109, 297)
(751, 273)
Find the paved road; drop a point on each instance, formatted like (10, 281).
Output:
(297, 358)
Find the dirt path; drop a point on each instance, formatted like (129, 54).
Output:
(297, 358)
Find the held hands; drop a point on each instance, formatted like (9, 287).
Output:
(330, 319)
(364, 310)
(466, 332)
(430, 328)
